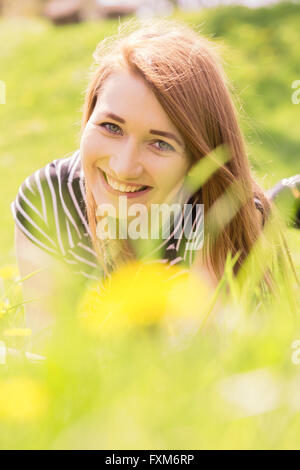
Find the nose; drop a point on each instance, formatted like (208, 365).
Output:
(125, 165)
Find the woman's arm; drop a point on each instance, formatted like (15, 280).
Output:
(39, 287)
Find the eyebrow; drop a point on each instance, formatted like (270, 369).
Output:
(170, 135)
(115, 117)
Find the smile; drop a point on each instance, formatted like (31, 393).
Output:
(128, 189)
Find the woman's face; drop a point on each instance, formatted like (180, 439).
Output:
(130, 147)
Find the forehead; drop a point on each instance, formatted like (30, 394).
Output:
(128, 95)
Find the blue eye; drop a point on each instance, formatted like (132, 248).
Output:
(165, 146)
(110, 127)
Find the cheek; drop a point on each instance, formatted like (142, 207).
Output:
(170, 173)
(90, 144)
(87, 147)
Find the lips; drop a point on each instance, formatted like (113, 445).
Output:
(129, 189)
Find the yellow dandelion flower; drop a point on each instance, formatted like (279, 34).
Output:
(8, 272)
(139, 295)
(17, 332)
(22, 399)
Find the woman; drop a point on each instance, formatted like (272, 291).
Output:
(157, 104)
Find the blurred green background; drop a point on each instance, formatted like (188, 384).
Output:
(45, 70)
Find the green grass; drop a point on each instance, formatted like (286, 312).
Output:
(232, 385)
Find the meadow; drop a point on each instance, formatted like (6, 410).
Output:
(234, 384)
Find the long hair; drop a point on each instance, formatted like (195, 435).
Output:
(186, 75)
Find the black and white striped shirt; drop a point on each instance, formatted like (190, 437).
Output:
(50, 209)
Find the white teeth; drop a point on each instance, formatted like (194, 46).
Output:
(122, 187)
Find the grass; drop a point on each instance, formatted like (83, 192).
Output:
(235, 383)
(231, 383)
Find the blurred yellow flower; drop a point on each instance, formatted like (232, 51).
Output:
(17, 332)
(8, 272)
(142, 294)
(22, 399)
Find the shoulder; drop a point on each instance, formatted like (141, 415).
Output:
(53, 177)
(58, 174)
(50, 210)
(49, 206)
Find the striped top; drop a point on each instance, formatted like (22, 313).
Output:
(50, 209)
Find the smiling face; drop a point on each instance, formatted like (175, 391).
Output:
(130, 147)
